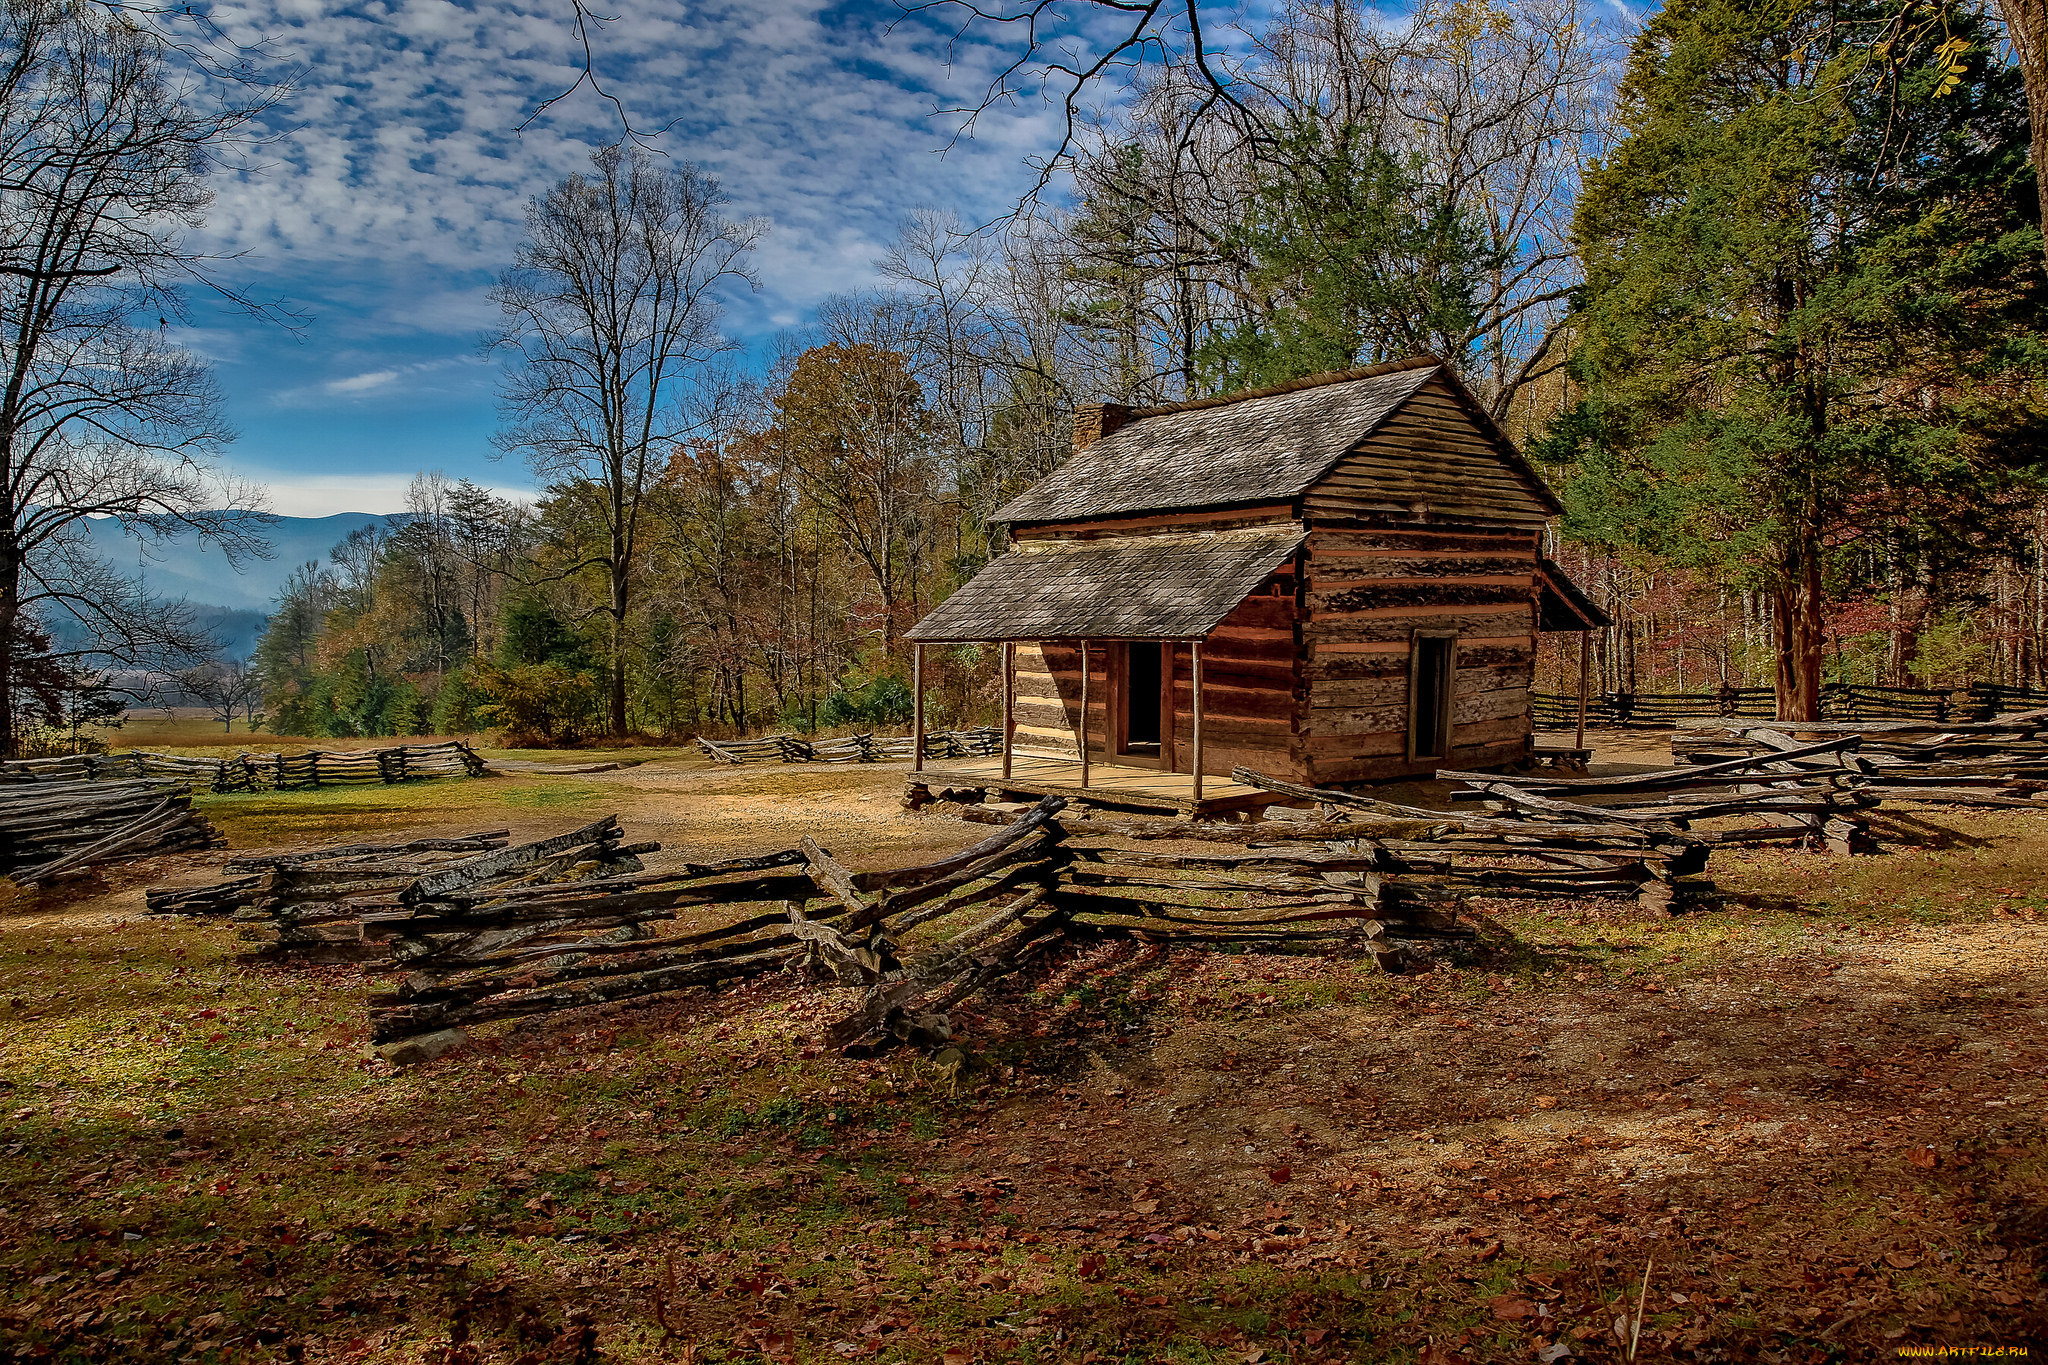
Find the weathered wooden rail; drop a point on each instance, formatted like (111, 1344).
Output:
(2001, 762)
(984, 742)
(1839, 702)
(259, 772)
(54, 831)
(491, 933)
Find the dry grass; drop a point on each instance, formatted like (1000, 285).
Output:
(1817, 1107)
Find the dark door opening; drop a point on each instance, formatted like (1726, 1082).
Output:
(1430, 680)
(1141, 698)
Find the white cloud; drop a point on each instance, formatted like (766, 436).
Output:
(402, 160)
(394, 187)
(440, 375)
(361, 383)
(322, 495)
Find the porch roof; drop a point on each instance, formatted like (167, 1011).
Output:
(1565, 605)
(1157, 587)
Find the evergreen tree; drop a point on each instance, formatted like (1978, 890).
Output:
(1355, 260)
(1812, 301)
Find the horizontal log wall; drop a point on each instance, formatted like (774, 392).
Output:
(1250, 707)
(1434, 454)
(1369, 590)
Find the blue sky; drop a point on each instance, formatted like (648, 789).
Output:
(394, 186)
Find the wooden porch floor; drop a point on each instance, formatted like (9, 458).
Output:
(1110, 786)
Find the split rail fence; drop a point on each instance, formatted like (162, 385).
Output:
(1839, 702)
(259, 772)
(985, 742)
(480, 931)
(484, 932)
(55, 831)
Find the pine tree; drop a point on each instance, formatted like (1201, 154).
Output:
(1813, 300)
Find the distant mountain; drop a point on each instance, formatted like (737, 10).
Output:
(233, 604)
(182, 567)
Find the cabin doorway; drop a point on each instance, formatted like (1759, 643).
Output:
(1432, 674)
(1141, 699)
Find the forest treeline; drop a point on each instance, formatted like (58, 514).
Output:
(1760, 288)
(1757, 283)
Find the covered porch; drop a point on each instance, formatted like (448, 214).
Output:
(1029, 777)
(1114, 636)
(1563, 607)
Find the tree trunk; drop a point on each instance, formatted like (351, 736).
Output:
(621, 569)
(616, 707)
(1802, 634)
(10, 639)
(2026, 24)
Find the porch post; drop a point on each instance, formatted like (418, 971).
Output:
(1196, 649)
(1084, 715)
(1585, 664)
(1009, 703)
(917, 708)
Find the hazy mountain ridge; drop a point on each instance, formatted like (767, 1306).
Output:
(232, 603)
(182, 567)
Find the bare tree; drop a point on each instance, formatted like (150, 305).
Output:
(225, 687)
(1493, 106)
(103, 162)
(610, 310)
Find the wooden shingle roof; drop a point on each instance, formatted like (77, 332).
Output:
(1563, 604)
(1158, 587)
(1243, 449)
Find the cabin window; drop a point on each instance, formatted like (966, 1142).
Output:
(1142, 697)
(1432, 675)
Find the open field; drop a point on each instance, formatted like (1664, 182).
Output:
(1813, 1114)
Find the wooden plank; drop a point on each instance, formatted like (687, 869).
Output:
(1357, 720)
(1060, 741)
(1402, 479)
(1474, 680)
(1327, 769)
(1262, 731)
(1387, 688)
(1041, 716)
(474, 871)
(1268, 647)
(1324, 543)
(1443, 593)
(1328, 667)
(1520, 656)
(1011, 834)
(1279, 515)
(1250, 702)
(1485, 733)
(1341, 515)
(1400, 624)
(1333, 573)
(1255, 674)
(1260, 613)
(1507, 704)
(1318, 745)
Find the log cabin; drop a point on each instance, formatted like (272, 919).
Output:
(1339, 579)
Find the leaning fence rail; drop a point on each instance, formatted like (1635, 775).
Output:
(259, 772)
(985, 742)
(1838, 701)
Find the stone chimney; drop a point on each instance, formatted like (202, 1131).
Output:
(1093, 421)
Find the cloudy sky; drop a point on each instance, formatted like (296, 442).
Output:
(395, 182)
